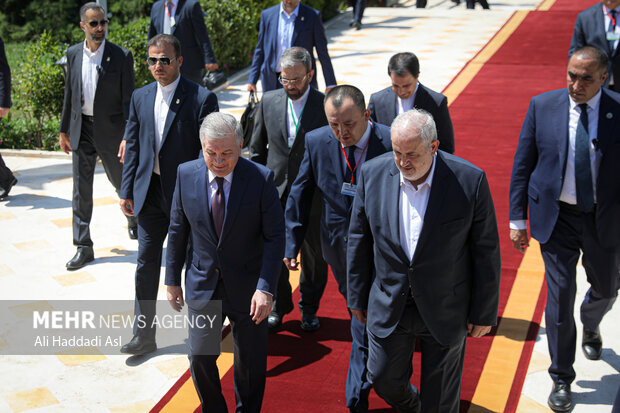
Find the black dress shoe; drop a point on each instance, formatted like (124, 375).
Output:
(309, 322)
(560, 399)
(83, 256)
(356, 25)
(592, 344)
(274, 322)
(139, 345)
(133, 232)
(4, 192)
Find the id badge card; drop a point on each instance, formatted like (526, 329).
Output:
(613, 36)
(291, 141)
(348, 189)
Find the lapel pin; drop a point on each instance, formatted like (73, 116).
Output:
(302, 18)
(108, 59)
(610, 115)
(178, 101)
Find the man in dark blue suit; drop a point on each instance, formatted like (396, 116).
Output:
(161, 134)
(185, 20)
(282, 26)
(423, 263)
(566, 171)
(598, 26)
(331, 164)
(407, 93)
(7, 179)
(229, 207)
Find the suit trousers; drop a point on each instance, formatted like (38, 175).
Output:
(249, 367)
(6, 176)
(193, 75)
(471, 4)
(358, 10)
(84, 163)
(616, 406)
(390, 367)
(153, 222)
(575, 231)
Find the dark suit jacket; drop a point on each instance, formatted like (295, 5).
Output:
(180, 143)
(322, 169)
(191, 31)
(5, 79)
(308, 33)
(590, 30)
(247, 256)
(269, 145)
(111, 106)
(383, 108)
(455, 271)
(540, 162)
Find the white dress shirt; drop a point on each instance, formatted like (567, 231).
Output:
(568, 194)
(163, 98)
(361, 149)
(412, 208)
(91, 64)
(169, 21)
(294, 116)
(405, 105)
(286, 26)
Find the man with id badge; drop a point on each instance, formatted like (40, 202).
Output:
(332, 160)
(282, 120)
(599, 26)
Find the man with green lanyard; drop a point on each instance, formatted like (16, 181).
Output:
(283, 118)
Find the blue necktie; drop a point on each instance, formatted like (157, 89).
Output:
(583, 173)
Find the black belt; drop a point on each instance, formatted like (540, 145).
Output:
(575, 208)
(88, 118)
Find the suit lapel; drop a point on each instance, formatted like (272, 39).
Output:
(605, 123)
(392, 189)
(280, 105)
(420, 97)
(201, 185)
(176, 15)
(560, 124)
(334, 151)
(177, 100)
(300, 21)
(77, 72)
(435, 204)
(237, 189)
(375, 148)
(150, 116)
(105, 62)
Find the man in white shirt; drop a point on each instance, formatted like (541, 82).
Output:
(98, 87)
(423, 263)
(281, 149)
(565, 173)
(161, 134)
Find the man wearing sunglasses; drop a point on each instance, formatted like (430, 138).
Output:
(162, 133)
(98, 87)
(185, 20)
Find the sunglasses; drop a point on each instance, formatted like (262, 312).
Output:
(96, 23)
(164, 60)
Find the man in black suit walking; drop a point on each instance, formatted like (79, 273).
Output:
(7, 180)
(423, 263)
(185, 20)
(407, 93)
(98, 88)
(282, 120)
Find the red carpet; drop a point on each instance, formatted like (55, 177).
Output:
(307, 371)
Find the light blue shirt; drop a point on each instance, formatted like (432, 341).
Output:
(286, 26)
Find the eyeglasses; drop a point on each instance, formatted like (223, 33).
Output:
(164, 60)
(96, 23)
(292, 82)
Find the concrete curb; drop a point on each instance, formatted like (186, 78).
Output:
(32, 153)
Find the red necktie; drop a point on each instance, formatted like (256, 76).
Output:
(169, 7)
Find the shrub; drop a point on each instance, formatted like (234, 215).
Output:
(20, 133)
(133, 37)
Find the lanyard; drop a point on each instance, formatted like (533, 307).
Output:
(295, 122)
(613, 20)
(358, 161)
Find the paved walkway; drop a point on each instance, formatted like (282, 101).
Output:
(35, 223)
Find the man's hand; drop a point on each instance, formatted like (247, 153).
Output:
(127, 207)
(121, 151)
(519, 239)
(4, 112)
(261, 306)
(477, 331)
(174, 293)
(64, 142)
(211, 67)
(360, 315)
(252, 88)
(291, 263)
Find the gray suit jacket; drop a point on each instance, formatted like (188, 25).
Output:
(269, 144)
(455, 272)
(111, 108)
